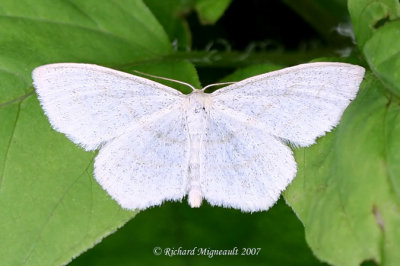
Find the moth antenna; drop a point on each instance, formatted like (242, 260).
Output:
(173, 80)
(218, 84)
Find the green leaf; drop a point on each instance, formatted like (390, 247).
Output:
(171, 14)
(247, 72)
(382, 52)
(51, 208)
(54, 31)
(347, 190)
(368, 15)
(210, 10)
(277, 232)
(377, 29)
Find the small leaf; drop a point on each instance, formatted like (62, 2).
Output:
(368, 15)
(253, 70)
(210, 10)
(382, 52)
(171, 15)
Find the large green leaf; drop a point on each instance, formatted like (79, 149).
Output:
(50, 206)
(53, 31)
(347, 188)
(278, 233)
(51, 209)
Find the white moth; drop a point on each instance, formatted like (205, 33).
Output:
(227, 147)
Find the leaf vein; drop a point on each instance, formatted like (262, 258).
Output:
(9, 145)
(14, 74)
(136, 19)
(51, 215)
(15, 100)
(78, 9)
(107, 33)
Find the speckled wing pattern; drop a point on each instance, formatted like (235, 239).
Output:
(93, 104)
(297, 103)
(147, 165)
(243, 167)
(246, 163)
(141, 128)
(137, 123)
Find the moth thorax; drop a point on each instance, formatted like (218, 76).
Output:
(198, 101)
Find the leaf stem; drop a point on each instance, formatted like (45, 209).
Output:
(15, 100)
